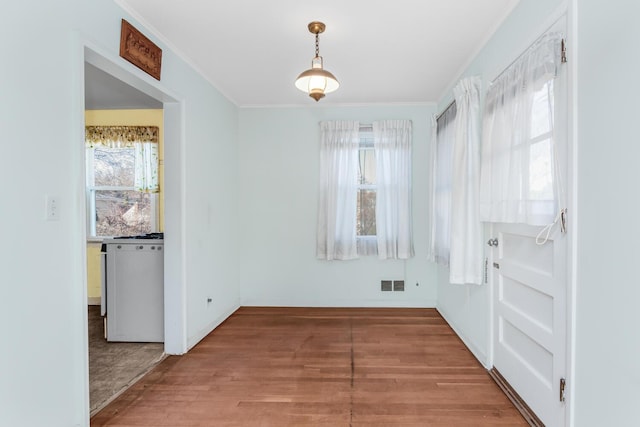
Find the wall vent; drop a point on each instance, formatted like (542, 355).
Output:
(398, 285)
(386, 286)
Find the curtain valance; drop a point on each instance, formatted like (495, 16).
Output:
(119, 136)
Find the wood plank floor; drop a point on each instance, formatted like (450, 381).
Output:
(319, 367)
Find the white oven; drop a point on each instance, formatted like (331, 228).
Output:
(133, 290)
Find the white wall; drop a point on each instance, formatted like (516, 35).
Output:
(466, 307)
(43, 362)
(279, 161)
(607, 372)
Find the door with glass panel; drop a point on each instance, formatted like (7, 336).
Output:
(528, 263)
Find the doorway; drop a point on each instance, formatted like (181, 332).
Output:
(133, 90)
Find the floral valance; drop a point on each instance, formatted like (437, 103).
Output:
(119, 136)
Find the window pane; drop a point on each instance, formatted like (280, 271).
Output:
(366, 213)
(540, 171)
(114, 166)
(122, 213)
(367, 171)
(541, 114)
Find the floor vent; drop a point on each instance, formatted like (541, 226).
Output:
(398, 285)
(385, 286)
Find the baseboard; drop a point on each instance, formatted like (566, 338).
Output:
(337, 303)
(480, 355)
(192, 341)
(515, 398)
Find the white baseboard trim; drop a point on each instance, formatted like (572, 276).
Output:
(473, 348)
(338, 303)
(195, 339)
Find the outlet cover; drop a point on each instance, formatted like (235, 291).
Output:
(398, 285)
(386, 286)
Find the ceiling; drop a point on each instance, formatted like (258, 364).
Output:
(102, 91)
(400, 51)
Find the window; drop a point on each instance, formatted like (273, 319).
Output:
(366, 198)
(540, 145)
(122, 179)
(115, 207)
(442, 185)
(364, 204)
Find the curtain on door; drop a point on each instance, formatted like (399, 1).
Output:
(519, 183)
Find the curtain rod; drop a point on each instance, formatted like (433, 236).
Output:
(544, 33)
(446, 109)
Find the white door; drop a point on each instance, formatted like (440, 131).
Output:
(530, 316)
(530, 283)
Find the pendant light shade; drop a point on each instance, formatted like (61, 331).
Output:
(317, 81)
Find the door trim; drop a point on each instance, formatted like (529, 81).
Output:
(175, 172)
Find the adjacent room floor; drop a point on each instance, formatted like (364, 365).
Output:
(114, 366)
(320, 367)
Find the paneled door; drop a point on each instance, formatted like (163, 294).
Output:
(530, 316)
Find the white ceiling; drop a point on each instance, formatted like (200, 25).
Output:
(381, 51)
(102, 91)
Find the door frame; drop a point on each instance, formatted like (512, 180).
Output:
(175, 308)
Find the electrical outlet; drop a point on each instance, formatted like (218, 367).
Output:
(398, 285)
(52, 208)
(386, 286)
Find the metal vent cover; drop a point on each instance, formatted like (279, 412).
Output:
(386, 286)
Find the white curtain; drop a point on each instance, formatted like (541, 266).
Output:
(392, 143)
(146, 167)
(518, 183)
(441, 175)
(466, 255)
(336, 231)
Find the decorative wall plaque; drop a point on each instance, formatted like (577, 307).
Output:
(139, 50)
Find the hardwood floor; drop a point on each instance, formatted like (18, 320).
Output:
(320, 367)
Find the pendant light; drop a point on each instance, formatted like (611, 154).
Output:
(317, 81)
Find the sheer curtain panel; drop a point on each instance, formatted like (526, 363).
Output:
(146, 167)
(466, 255)
(392, 143)
(441, 176)
(518, 182)
(336, 231)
